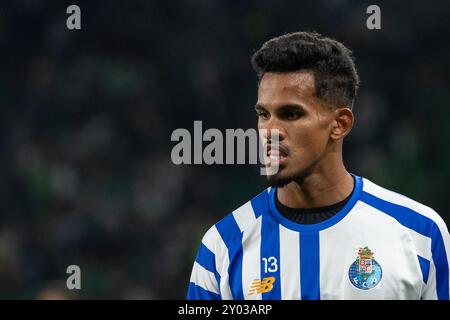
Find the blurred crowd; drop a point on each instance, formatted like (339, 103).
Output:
(86, 118)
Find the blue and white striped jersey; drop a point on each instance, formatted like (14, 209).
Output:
(381, 245)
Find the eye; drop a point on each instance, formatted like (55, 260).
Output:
(292, 115)
(263, 115)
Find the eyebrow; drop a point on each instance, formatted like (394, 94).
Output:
(284, 107)
(259, 107)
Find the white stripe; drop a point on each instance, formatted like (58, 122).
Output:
(430, 292)
(222, 263)
(213, 241)
(204, 278)
(251, 260)
(289, 264)
(244, 216)
(209, 239)
(422, 244)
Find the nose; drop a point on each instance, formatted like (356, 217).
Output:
(272, 127)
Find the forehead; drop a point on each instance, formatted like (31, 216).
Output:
(285, 87)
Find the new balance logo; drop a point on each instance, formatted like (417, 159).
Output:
(261, 286)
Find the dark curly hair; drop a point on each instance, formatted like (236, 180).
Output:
(335, 76)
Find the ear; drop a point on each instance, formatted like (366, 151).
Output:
(342, 124)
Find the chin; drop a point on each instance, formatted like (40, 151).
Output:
(281, 179)
(278, 182)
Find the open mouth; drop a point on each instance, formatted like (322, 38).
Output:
(276, 153)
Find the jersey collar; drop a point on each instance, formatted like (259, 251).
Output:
(321, 225)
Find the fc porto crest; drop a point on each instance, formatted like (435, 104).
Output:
(365, 273)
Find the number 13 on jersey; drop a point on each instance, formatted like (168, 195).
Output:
(270, 264)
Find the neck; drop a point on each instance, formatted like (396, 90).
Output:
(328, 183)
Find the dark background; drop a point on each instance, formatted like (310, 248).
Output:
(86, 119)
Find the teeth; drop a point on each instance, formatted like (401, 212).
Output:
(274, 156)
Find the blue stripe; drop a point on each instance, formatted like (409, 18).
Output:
(196, 292)
(232, 237)
(207, 260)
(270, 256)
(309, 266)
(426, 227)
(440, 263)
(406, 216)
(424, 267)
(260, 203)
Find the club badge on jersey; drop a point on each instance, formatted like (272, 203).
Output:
(365, 273)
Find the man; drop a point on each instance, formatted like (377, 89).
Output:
(319, 232)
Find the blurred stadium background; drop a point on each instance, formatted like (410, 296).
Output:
(86, 119)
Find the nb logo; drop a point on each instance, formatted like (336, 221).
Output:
(263, 286)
